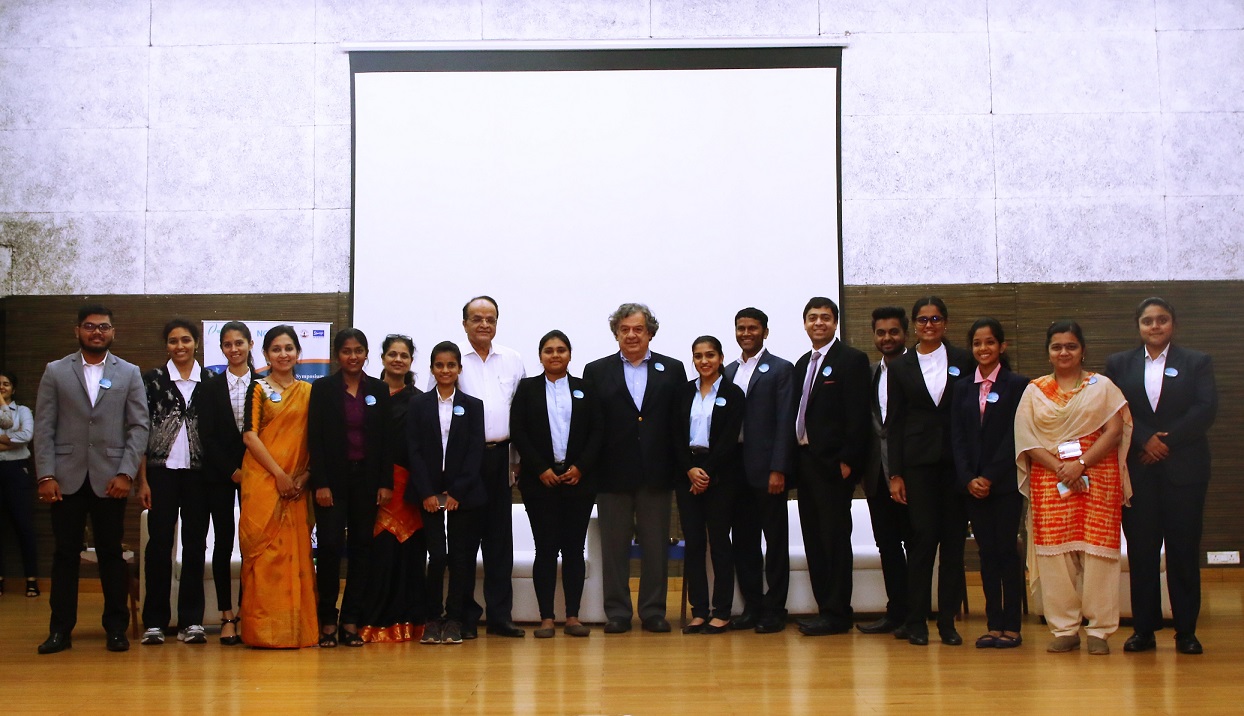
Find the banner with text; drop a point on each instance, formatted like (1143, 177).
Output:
(315, 339)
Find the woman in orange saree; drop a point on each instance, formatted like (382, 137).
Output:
(274, 530)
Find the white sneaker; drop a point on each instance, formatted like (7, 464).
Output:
(193, 634)
(153, 636)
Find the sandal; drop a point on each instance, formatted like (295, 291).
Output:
(328, 640)
(1008, 642)
(32, 587)
(351, 638)
(987, 641)
(236, 638)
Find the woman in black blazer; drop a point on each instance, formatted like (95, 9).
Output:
(982, 432)
(710, 416)
(922, 469)
(445, 436)
(351, 473)
(555, 428)
(220, 424)
(1169, 463)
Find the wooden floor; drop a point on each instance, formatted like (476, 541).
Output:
(635, 673)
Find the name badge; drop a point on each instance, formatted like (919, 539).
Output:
(991, 397)
(370, 400)
(659, 366)
(274, 397)
(1092, 380)
(720, 402)
(105, 383)
(1171, 372)
(576, 394)
(764, 368)
(459, 410)
(1069, 450)
(953, 370)
(827, 371)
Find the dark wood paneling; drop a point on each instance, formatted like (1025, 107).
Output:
(1105, 311)
(38, 329)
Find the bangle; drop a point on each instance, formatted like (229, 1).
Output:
(44, 479)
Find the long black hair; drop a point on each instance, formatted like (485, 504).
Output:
(245, 330)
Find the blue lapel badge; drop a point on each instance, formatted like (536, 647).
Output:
(576, 394)
(459, 410)
(991, 397)
(764, 368)
(105, 383)
(1171, 372)
(1093, 380)
(720, 402)
(827, 371)
(953, 370)
(659, 366)
(274, 397)
(370, 400)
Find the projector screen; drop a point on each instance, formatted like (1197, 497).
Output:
(564, 183)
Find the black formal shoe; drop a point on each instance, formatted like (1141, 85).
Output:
(822, 627)
(770, 625)
(506, 629)
(746, 620)
(118, 642)
(950, 637)
(656, 625)
(468, 632)
(901, 632)
(918, 639)
(56, 642)
(710, 629)
(1138, 642)
(617, 626)
(1186, 645)
(694, 628)
(884, 625)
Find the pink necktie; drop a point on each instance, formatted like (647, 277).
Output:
(801, 431)
(985, 386)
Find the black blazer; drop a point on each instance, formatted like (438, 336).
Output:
(723, 462)
(918, 431)
(769, 421)
(464, 452)
(326, 432)
(223, 448)
(639, 445)
(399, 404)
(530, 434)
(836, 419)
(985, 447)
(1186, 410)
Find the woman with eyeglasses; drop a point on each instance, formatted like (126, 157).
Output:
(1072, 432)
(17, 487)
(922, 469)
(348, 435)
(393, 603)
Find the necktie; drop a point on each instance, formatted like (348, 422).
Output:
(801, 432)
(985, 386)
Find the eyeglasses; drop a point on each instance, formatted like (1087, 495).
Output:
(397, 335)
(926, 320)
(92, 327)
(476, 320)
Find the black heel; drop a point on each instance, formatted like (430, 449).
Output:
(32, 587)
(237, 636)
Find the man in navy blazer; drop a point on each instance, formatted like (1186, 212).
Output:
(831, 429)
(1169, 463)
(637, 469)
(768, 453)
(91, 428)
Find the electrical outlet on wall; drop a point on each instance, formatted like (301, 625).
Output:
(1227, 557)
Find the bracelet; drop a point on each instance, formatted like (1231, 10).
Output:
(44, 479)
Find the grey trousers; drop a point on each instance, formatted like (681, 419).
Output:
(644, 513)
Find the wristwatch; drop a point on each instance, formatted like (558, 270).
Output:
(1082, 463)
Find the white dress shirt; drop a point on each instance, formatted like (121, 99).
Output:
(636, 378)
(238, 387)
(93, 373)
(179, 453)
(883, 388)
(702, 413)
(743, 376)
(445, 409)
(493, 380)
(1155, 368)
(557, 395)
(934, 366)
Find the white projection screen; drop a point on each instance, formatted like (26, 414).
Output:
(564, 182)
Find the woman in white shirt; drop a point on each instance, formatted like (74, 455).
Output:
(17, 488)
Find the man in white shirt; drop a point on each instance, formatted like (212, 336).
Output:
(491, 373)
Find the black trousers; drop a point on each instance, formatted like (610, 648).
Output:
(175, 493)
(756, 512)
(68, 527)
(345, 529)
(938, 531)
(705, 522)
(17, 496)
(825, 514)
(496, 540)
(892, 532)
(453, 541)
(995, 524)
(559, 518)
(1172, 514)
(222, 497)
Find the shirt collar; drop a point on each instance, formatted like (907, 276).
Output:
(175, 375)
(557, 382)
(647, 357)
(1162, 355)
(992, 377)
(450, 399)
(825, 348)
(716, 383)
(107, 355)
(754, 359)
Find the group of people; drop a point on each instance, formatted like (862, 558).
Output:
(408, 485)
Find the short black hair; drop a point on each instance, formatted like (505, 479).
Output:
(755, 314)
(1156, 301)
(489, 299)
(821, 302)
(883, 313)
(94, 309)
(11, 376)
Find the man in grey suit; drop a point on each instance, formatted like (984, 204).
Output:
(768, 452)
(891, 525)
(91, 429)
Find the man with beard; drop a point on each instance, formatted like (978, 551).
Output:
(889, 517)
(91, 430)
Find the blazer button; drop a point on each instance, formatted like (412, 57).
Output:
(641, 418)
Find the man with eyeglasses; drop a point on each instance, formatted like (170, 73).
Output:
(491, 373)
(91, 426)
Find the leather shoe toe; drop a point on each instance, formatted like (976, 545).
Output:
(657, 625)
(743, 621)
(918, 639)
(1139, 642)
(901, 633)
(884, 625)
(55, 642)
(506, 629)
(118, 642)
(770, 625)
(617, 626)
(950, 637)
(1188, 645)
